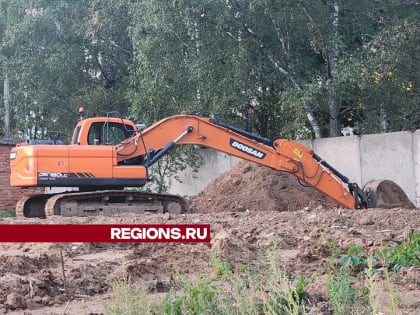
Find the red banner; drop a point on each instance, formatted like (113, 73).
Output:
(182, 233)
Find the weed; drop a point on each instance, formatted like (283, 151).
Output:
(405, 254)
(128, 300)
(261, 288)
(11, 213)
(282, 296)
(395, 299)
(355, 260)
(222, 268)
(340, 292)
(355, 250)
(198, 298)
(370, 285)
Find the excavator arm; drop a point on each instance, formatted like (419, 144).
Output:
(279, 154)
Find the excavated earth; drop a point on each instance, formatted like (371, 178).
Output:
(247, 208)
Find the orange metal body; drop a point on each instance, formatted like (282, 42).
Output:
(122, 164)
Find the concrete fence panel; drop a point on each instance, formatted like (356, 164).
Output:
(214, 163)
(393, 156)
(389, 156)
(416, 162)
(343, 153)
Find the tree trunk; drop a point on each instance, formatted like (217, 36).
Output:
(197, 39)
(333, 101)
(334, 110)
(316, 128)
(383, 119)
(6, 90)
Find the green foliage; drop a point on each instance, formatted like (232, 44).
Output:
(283, 298)
(194, 299)
(380, 89)
(8, 213)
(222, 267)
(345, 297)
(299, 292)
(355, 260)
(129, 299)
(406, 254)
(342, 295)
(368, 289)
(287, 66)
(165, 170)
(403, 255)
(263, 288)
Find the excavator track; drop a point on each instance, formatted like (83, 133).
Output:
(106, 202)
(32, 206)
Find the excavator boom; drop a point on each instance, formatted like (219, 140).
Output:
(279, 154)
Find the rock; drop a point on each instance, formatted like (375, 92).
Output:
(220, 239)
(367, 221)
(46, 300)
(37, 299)
(15, 301)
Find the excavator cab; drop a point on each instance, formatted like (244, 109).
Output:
(101, 131)
(109, 133)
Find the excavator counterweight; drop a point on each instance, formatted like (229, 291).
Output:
(109, 153)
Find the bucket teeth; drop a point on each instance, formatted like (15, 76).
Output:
(387, 194)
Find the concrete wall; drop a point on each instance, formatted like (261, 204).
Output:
(214, 163)
(394, 156)
(391, 157)
(416, 165)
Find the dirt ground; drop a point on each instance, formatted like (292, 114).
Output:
(247, 208)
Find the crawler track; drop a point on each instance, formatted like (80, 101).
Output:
(105, 202)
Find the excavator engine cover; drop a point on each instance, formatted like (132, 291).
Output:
(387, 194)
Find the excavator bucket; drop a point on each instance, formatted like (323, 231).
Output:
(388, 194)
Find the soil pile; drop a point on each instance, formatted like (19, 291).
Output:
(253, 187)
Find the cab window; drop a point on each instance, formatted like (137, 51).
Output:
(75, 135)
(108, 133)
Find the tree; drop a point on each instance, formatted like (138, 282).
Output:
(41, 77)
(378, 79)
(279, 68)
(62, 55)
(109, 56)
(7, 17)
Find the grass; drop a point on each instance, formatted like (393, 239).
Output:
(405, 254)
(261, 288)
(129, 299)
(8, 213)
(342, 294)
(355, 266)
(264, 287)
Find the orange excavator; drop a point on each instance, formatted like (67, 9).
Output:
(109, 154)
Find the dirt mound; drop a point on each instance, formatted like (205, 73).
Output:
(252, 187)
